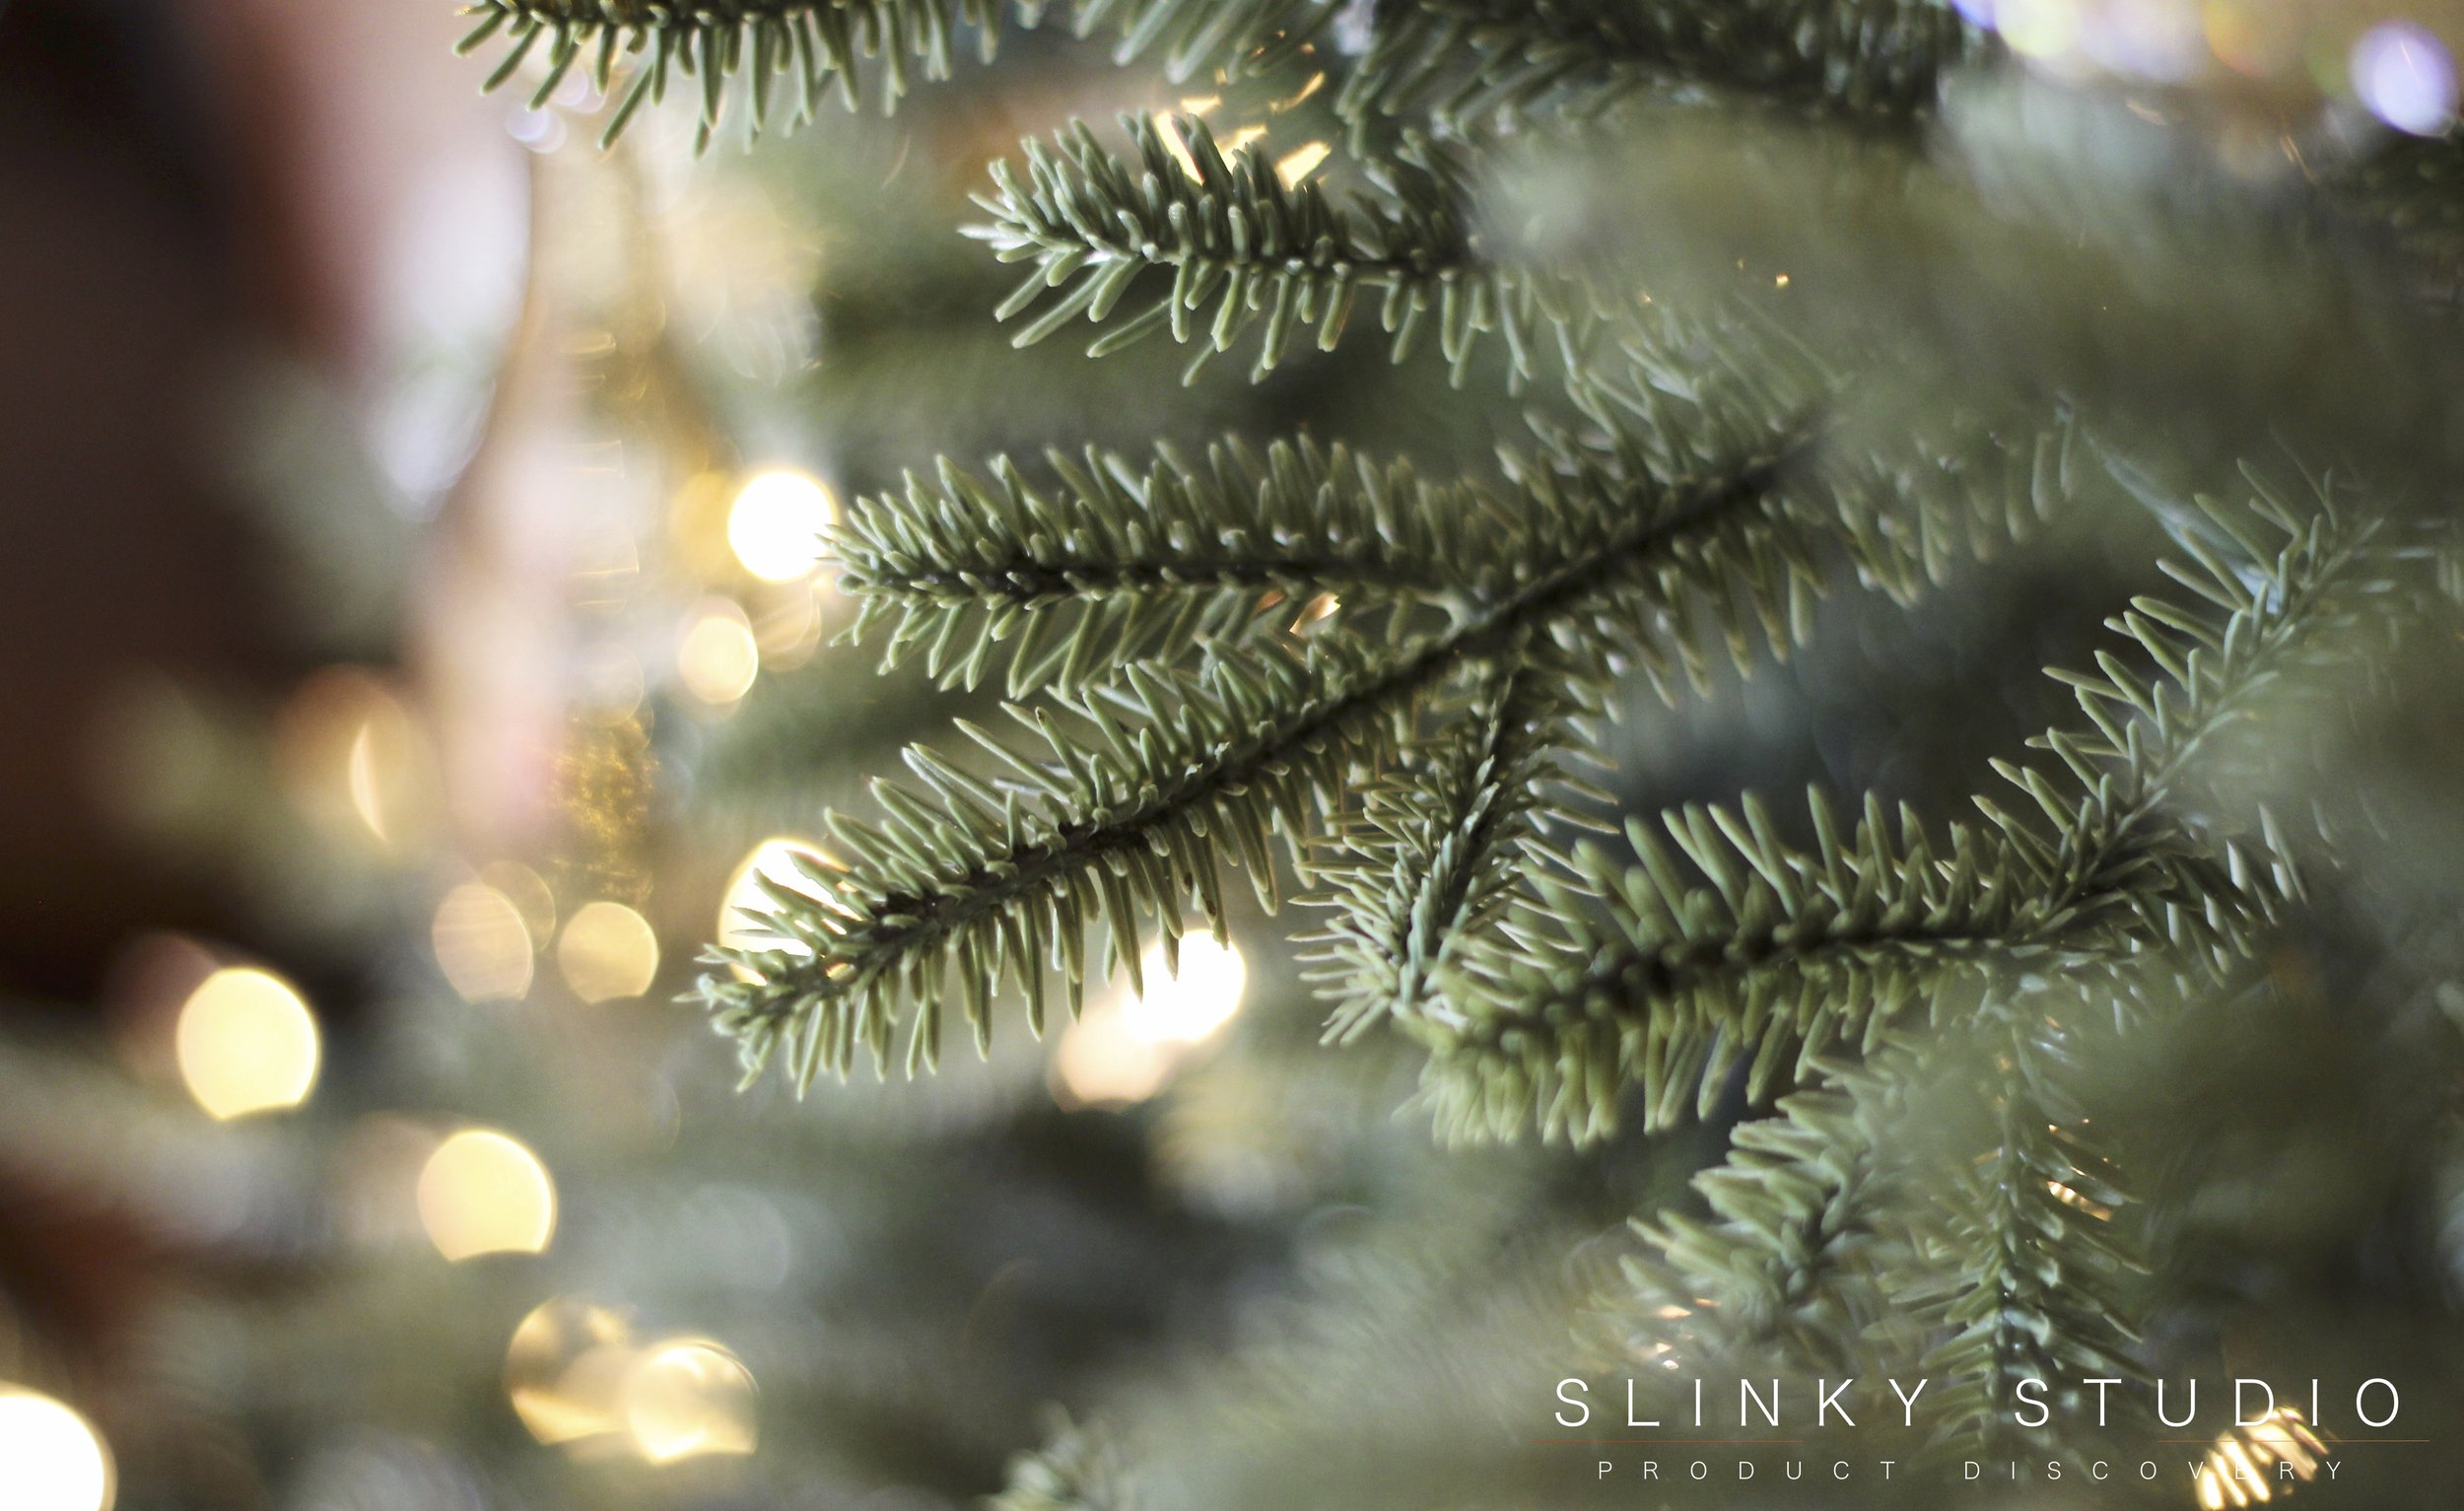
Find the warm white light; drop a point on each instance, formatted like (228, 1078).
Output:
(782, 862)
(776, 524)
(1187, 1008)
(482, 944)
(1295, 166)
(564, 1369)
(246, 1043)
(2279, 1447)
(688, 1398)
(607, 951)
(717, 655)
(50, 1458)
(1127, 1047)
(483, 1193)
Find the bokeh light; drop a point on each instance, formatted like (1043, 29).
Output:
(484, 1193)
(50, 1458)
(607, 951)
(1190, 1005)
(528, 891)
(688, 1398)
(564, 1369)
(2250, 1464)
(775, 526)
(2406, 77)
(247, 1044)
(784, 862)
(718, 656)
(1128, 1046)
(482, 943)
(352, 754)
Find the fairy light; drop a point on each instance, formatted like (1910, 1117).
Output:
(52, 1459)
(1126, 1046)
(718, 656)
(1168, 131)
(246, 1044)
(482, 943)
(607, 951)
(564, 1369)
(1191, 1005)
(484, 1192)
(688, 1398)
(1297, 165)
(783, 862)
(776, 524)
(2251, 1464)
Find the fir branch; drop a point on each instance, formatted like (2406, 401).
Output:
(1435, 854)
(986, 882)
(1123, 563)
(1776, 954)
(1077, 1468)
(807, 46)
(2029, 1266)
(1781, 1264)
(1465, 62)
(1242, 248)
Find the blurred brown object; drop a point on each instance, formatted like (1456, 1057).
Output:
(188, 184)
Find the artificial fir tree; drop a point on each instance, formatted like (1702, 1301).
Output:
(1768, 304)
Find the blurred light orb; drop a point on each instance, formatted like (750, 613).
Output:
(775, 526)
(50, 1458)
(353, 752)
(1296, 166)
(607, 951)
(718, 656)
(1191, 1006)
(1126, 1046)
(688, 1398)
(2253, 1464)
(482, 943)
(527, 892)
(2038, 28)
(484, 1193)
(1099, 1063)
(246, 1044)
(2406, 77)
(564, 1369)
(786, 864)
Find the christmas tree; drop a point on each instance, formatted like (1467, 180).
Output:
(1750, 806)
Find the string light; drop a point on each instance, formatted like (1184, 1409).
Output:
(2245, 1459)
(785, 862)
(246, 1044)
(527, 892)
(575, 1376)
(50, 1458)
(564, 1369)
(484, 1193)
(687, 1399)
(717, 655)
(776, 524)
(607, 951)
(1126, 1046)
(482, 943)
(1299, 164)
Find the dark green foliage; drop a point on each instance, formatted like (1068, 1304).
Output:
(635, 49)
(1465, 62)
(1398, 678)
(1738, 948)
(1241, 246)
